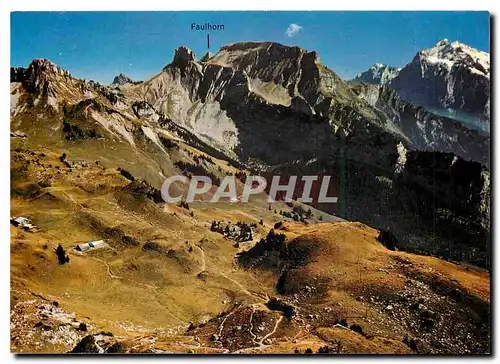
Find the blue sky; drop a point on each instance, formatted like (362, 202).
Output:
(100, 45)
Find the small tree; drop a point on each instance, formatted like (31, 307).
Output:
(62, 257)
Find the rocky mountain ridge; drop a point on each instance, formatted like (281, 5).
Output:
(448, 75)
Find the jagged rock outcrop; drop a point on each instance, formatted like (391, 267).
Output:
(39, 79)
(253, 96)
(121, 80)
(448, 75)
(17, 74)
(378, 74)
(39, 70)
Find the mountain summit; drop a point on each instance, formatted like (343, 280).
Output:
(457, 54)
(448, 75)
(121, 80)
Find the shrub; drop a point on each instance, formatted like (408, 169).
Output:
(75, 132)
(143, 189)
(358, 329)
(129, 240)
(86, 345)
(169, 143)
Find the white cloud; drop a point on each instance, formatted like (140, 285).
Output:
(293, 30)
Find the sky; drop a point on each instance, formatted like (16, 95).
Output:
(100, 45)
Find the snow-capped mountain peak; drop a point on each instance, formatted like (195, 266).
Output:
(449, 75)
(456, 53)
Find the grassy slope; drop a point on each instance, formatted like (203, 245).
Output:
(158, 292)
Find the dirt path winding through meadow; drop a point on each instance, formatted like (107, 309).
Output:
(221, 327)
(261, 342)
(258, 344)
(243, 289)
(111, 275)
(240, 286)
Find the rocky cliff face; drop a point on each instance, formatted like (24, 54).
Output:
(238, 90)
(448, 75)
(452, 195)
(44, 81)
(423, 130)
(378, 74)
(250, 97)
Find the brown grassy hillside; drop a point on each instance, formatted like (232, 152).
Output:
(175, 286)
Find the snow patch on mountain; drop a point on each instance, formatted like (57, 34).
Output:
(116, 123)
(379, 74)
(15, 93)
